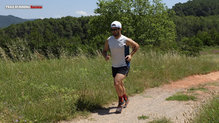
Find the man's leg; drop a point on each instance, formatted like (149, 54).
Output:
(125, 97)
(120, 89)
(123, 88)
(119, 85)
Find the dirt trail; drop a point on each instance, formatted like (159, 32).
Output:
(152, 102)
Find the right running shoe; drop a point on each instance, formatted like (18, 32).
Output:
(126, 102)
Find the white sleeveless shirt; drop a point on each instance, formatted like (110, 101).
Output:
(119, 50)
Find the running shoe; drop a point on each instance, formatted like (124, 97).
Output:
(120, 106)
(126, 102)
(119, 109)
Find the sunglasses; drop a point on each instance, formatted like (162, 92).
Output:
(115, 29)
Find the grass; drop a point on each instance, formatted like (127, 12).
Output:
(181, 97)
(60, 89)
(197, 89)
(143, 117)
(162, 120)
(209, 112)
(210, 50)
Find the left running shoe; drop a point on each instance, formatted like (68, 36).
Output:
(119, 109)
(120, 106)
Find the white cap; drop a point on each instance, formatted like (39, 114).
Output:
(116, 24)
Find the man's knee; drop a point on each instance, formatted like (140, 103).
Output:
(118, 79)
(117, 82)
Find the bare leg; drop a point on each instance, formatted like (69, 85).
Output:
(120, 89)
(124, 91)
(119, 85)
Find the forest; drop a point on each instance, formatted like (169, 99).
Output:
(197, 8)
(186, 28)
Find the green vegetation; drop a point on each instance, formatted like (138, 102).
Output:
(181, 97)
(197, 89)
(143, 117)
(204, 28)
(146, 22)
(209, 112)
(67, 86)
(197, 8)
(196, 25)
(210, 50)
(150, 24)
(45, 37)
(162, 120)
(51, 69)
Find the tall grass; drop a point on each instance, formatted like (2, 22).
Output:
(209, 112)
(53, 90)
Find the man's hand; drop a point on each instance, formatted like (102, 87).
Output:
(107, 57)
(128, 58)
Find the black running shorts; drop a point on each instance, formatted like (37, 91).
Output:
(123, 70)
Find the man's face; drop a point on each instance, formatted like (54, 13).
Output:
(115, 31)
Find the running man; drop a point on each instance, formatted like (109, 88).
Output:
(118, 45)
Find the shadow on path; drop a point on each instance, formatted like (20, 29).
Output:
(105, 111)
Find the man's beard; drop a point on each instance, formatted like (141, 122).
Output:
(116, 34)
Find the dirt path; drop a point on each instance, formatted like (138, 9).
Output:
(152, 102)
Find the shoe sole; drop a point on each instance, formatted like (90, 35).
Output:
(126, 104)
(118, 111)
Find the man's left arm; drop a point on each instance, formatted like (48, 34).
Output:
(135, 47)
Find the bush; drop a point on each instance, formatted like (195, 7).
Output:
(190, 46)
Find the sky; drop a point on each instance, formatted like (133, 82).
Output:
(57, 8)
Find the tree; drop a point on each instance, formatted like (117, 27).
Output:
(197, 8)
(146, 22)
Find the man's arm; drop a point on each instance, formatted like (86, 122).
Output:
(135, 47)
(105, 49)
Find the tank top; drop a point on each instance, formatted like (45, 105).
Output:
(119, 50)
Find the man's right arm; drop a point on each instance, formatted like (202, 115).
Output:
(106, 48)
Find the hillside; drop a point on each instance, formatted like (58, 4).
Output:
(53, 37)
(197, 8)
(197, 23)
(8, 20)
